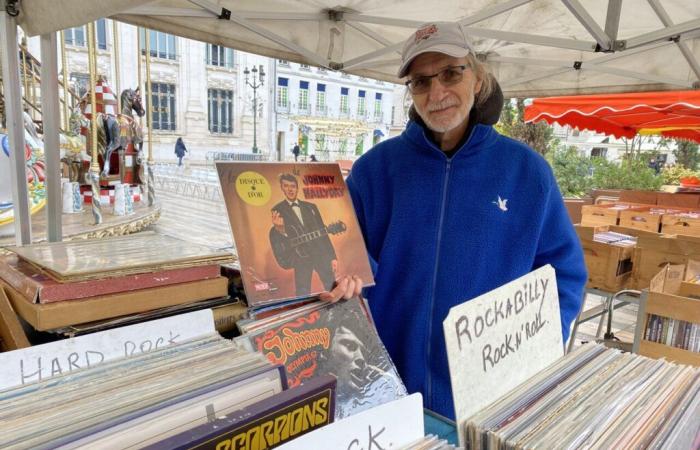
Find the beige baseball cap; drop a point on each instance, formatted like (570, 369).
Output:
(440, 37)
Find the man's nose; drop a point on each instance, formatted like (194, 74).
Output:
(437, 90)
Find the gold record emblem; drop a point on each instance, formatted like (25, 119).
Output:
(253, 188)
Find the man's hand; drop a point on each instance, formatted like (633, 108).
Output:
(334, 266)
(346, 287)
(278, 221)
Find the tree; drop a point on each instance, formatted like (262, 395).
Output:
(687, 154)
(539, 136)
(572, 171)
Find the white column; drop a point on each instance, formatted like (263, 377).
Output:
(192, 90)
(52, 117)
(15, 128)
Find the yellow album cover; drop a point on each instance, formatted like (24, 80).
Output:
(294, 228)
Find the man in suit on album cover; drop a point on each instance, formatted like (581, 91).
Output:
(299, 239)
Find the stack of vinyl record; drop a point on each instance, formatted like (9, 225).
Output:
(58, 285)
(596, 398)
(137, 401)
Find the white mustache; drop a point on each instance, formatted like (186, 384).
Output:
(442, 105)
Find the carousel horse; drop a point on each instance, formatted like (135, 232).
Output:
(72, 146)
(114, 131)
(35, 170)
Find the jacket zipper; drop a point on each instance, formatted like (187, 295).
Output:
(429, 387)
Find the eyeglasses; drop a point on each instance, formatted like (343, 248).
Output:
(448, 76)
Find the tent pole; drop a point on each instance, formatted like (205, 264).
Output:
(51, 114)
(15, 128)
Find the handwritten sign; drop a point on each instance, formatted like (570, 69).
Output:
(500, 339)
(40, 362)
(387, 426)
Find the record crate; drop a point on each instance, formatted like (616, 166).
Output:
(686, 223)
(599, 215)
(668, 322)
(647, 218)
(609, 266)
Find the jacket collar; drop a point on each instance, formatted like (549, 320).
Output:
(417, 134)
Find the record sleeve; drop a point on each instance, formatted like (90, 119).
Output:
(336, 339)
(266, 424)
(117, 256)
(294, 227)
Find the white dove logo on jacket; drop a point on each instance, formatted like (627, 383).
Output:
(501, 203)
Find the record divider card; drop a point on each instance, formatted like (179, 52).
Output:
(28, 365)
(500, 339)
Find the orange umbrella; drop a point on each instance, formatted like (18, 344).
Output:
(674, 114)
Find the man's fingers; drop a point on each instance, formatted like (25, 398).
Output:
(337, 293)
(358, 286)
(347, 288)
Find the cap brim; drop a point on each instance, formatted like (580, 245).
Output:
(455, 51)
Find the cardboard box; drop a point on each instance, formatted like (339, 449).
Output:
(574, 207)
(599, 215)
(687, 201)
(609, 266)
(71, 312)
(690, 286)
(666, 302)
(647, 219)
(654, 252)
(635, 196)
(686, 223)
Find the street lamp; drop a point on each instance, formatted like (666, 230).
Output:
(257, 83)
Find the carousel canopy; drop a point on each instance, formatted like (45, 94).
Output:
(670, 114)
(535, 47)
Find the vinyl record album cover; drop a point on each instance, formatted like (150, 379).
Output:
(336, 339)
(294, 227)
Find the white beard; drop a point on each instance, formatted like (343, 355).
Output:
(446, 123)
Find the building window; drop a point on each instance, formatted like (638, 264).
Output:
(163, 99)
(80, 83)
(304, 67)
(162, 44)
(344, 104)
(361, 108)
(377, 106)
(320, 98)
(282, 92)
(343, 149)
(283, 62)
(304, 96)
(599, 152)
(219, 56)
(220, 111)
(78, 36)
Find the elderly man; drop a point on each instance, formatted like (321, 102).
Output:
(450, 209)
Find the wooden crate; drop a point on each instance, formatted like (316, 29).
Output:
(599, 215)
(686, 223)
(647, 219)
(609, 266)
(673, 307)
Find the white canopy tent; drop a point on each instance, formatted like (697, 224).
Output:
(534, 47)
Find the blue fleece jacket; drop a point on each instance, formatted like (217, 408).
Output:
(438, 236)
